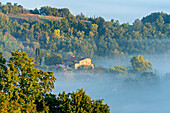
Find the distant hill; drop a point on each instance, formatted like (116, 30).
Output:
(154, 16)
(55, 30)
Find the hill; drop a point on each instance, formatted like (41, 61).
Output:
(56, 30)
(154, 16)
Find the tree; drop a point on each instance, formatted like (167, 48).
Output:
(137, 25)
(38, 56)
(35, 11)
(21, 84)
(53, 59)
(56, 33)
(93, 32)
(139, 64)
(75, 102)
(160, 23)
(80, 34)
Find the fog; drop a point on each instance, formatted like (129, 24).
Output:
(134, 96)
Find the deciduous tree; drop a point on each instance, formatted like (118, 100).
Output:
(21, 84)
(139, 64)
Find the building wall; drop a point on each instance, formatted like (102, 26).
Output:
(86, 61)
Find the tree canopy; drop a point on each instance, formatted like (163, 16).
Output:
(75, 102)
(139, 64)
(121, 70)
(56, 30)
(21, 84)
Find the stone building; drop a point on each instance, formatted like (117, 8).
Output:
(76, 62)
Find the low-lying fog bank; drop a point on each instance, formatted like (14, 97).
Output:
(121, 93)
(160, 63)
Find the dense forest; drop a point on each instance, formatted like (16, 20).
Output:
(58, 31)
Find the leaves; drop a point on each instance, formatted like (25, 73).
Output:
(22, 83)
(140, 65)
(75, 102)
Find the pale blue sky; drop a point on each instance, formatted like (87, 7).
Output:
(122, 10)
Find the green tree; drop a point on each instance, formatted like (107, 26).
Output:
(53, 59)
(21, 84)
(160, 23)
(93, 32)
(139, 64)
(118, 70)
(75, 102)
(38, 56)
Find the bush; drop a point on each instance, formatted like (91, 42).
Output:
(119, 70)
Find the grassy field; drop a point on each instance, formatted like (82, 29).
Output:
(35, 17)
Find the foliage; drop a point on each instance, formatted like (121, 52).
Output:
(21, 84)
(43, 67)
(75, 61)
(38, 56)
(9, 43)
(75, 102)
(13, 9)
(139, 64)
(53, 59)
(47, 10)
(85, 67)
(100, 69)
(56, 33)
(82, 36)
(149, 76)
(154, 16)
(145, 80)
(118, 70)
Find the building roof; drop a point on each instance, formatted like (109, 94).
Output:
(74, 58)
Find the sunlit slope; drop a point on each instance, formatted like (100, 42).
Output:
(35, 17)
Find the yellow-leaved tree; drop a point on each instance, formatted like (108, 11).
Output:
(22, 86)
(140, 65)
(56, 33)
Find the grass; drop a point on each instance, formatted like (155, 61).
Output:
(35, 17)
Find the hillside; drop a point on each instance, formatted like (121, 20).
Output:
(56, 30)
(35, 17)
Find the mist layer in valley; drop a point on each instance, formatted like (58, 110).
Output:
(124, 94)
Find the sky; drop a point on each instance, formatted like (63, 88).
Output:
(122, 10)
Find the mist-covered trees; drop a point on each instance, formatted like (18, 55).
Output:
(139, 64)
(121, 70)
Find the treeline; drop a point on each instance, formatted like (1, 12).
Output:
(8, 43)
(12, 9)
(89, 37)
(47, 10)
